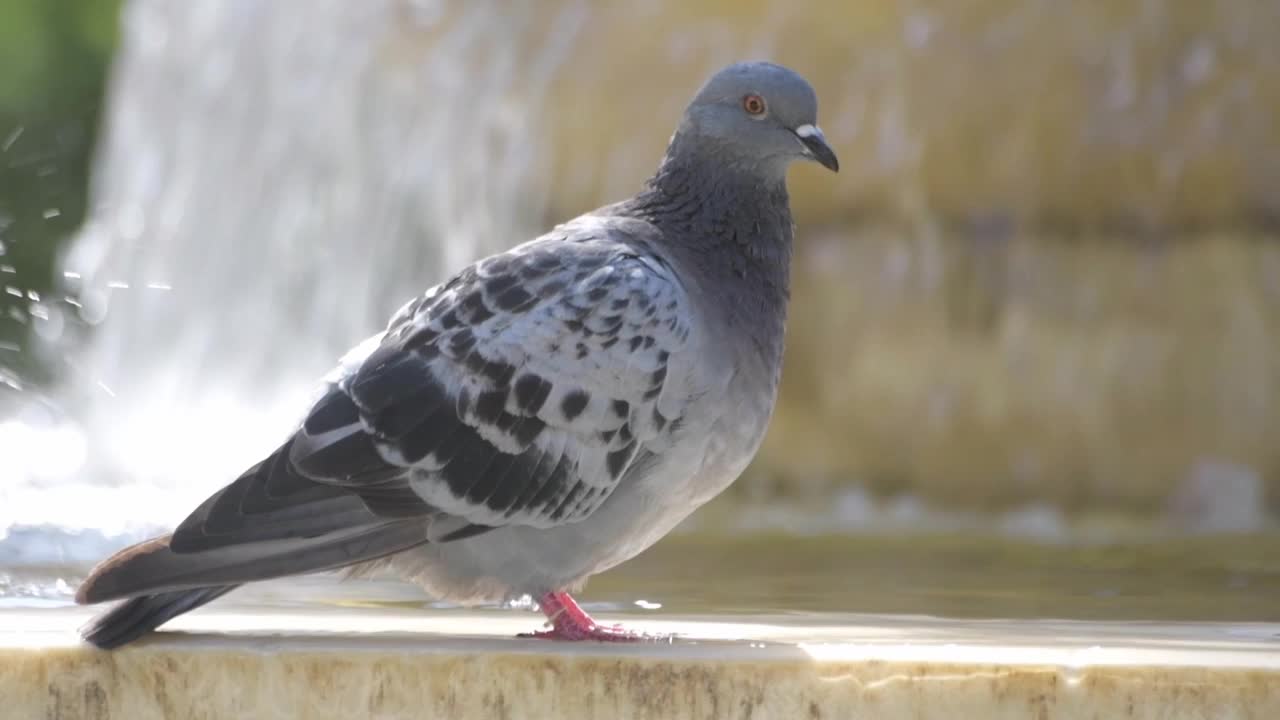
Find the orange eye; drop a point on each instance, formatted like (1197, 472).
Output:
(754, 105)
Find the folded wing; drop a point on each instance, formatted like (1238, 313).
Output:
(520, 392)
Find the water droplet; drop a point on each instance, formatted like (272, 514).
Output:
(9, 380)
(11, 138)
(93, 308)
(52, 322)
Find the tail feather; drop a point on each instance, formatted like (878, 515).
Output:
(138, 616)
(270, 522)
(159, 584)
(151, 567)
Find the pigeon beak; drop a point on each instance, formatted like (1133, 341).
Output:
(816, 147)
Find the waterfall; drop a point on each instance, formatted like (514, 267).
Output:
(272, 181)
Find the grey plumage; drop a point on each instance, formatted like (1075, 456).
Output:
(137, 616)
(545, 414)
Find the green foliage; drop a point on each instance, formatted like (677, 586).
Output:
(54, 56)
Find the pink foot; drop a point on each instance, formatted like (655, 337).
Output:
(571, 622)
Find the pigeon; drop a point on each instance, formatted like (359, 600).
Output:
(542, 416)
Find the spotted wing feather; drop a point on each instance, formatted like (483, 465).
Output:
(520, 392)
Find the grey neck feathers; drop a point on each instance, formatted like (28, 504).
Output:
(730, 223)
(733, 215)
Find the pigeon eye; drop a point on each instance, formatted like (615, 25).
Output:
(754, 105)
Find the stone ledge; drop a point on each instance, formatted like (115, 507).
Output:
(365, 663)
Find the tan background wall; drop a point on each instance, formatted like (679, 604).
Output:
(1067, 113)
(1049, 268)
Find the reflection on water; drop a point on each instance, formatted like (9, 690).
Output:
(960, 576)
(957, 576)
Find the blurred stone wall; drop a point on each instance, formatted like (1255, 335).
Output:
(1071, 115)
(1048, 269)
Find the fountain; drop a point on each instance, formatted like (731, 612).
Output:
(271, 183)
(270, 186)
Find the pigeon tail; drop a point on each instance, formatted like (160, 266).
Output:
(138, 616)
(159, 584)
(152, 566)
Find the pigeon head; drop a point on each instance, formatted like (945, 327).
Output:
(758, 115)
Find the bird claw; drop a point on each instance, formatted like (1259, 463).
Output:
(569, 622)
(599, 633)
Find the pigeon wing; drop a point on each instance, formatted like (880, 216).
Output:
(522, 391)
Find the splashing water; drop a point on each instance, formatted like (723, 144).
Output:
(270, 186)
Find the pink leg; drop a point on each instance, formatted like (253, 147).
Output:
(571, 622)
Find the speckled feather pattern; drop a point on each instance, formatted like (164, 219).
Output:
(522, 390)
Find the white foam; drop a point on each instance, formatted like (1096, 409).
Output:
(70, 498)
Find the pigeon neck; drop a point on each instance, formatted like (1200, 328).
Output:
(743, 208)
(733, 223)
(712, 165)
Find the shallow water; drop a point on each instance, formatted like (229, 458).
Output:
(807, 579)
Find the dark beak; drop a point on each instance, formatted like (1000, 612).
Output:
(816, 147)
